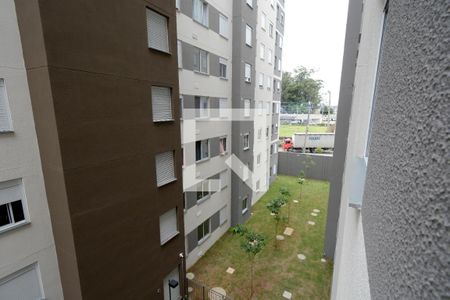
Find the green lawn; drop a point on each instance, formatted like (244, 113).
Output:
(288, 130)
(278, 269)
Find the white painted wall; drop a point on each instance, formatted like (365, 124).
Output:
(350, 277)
(19, 158)
(192, 83)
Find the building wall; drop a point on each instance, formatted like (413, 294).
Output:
(350, 277)
(31, 243)
(243, 14)
(405, 208)
(342, 124)
(195, 35)
(90, 73)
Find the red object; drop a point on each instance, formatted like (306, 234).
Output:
(287, 144)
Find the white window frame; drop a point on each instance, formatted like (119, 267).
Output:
(205, 236)
(261, 80)
(259, 133)
(223, 26)
(223, 108)
(223, 215)
(250, 3)
(201, 64)
(269, 82)
(202, 145)
(244, 207)
(168, 214)
(263, 21)
(160, 183)
(203, 112)
(269, 56)
(248, 73)
(5, 112)
(223, 61)
(247, 105)
(262, 51)
(258, 159)
(248, 35)
(271, 28)
(204, 188)
(156, 108)
(246, 137)
(223, 148)
(202, 16)
(10, 192)
(153, 15)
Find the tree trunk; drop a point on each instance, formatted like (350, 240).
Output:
(251, 277)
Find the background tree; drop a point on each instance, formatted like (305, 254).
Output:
(298, 88)
(252, 243)
(324, 110)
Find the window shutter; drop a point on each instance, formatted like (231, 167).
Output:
(5, 119)
(158, 35)
(168, 225)
(10, 191)
(165, 168)
(161, 104)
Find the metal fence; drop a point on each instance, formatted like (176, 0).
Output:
(198, 291)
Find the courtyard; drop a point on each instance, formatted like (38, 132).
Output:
(295, 265)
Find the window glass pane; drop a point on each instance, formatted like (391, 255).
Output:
(203, 61)
(17, 211)
(223, 25)
(248, 35)
(161, 104)
(4, 215)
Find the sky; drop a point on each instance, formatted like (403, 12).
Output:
(314, 38)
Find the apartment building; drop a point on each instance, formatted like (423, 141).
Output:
(388, 215)
(229, 119)
(91, 190)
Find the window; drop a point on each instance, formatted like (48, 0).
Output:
(274, 170)
(278, 85)
(223, 215)
(258, 159)
(12, 211)
(261, 80)
(223, 179)
(269, 56)
(223, 145)
(223, 26)
(244, 205)
(165, 168)
(259, 133)
(250, 3)
(272, 3)
(246, 141)
(203, 231)
(169, 291)
(203, 191)
(280, 43)
(248, 35)
(263, 21)
(180, 54)
(262, 51)
(278, 62)
(177, 4)
(161, 104)
(23, 284)
(201, 150)
(181, 106)
(246, 108)
(260, 108)
(168, 228)
(257, 185)
(157, 31)
(201, 61)
(248, 72)
(281, 18)
(200, 12)
(222, 67)
(5, 117)
(202, 105)
(269, 82)
(271, 29)
(267, 104)
(267, 132)
(223, 107)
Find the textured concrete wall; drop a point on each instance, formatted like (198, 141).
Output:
(406, 201)
(291, 163)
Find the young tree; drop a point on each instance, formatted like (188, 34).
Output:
(252, 243)
(274, 206)
(301, 181)
(285, 195)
